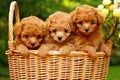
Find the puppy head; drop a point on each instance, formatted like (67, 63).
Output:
(60, 26)
(87, 19)
(31, 31)
(60, 32)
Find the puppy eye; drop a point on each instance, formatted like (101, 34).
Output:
(54, 31)
(92, 22)
(65, 30)
(38, 37)
(81, 22)
(26, 36)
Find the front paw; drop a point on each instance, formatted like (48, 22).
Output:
(91, 52)
(42, 53)
(107, 52)
(22, 50)
(92, 55)
(64, 51)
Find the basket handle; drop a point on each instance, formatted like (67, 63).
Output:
(13, 10)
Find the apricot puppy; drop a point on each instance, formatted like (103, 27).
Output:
(60, 34)
(30, 33)
(88, 37)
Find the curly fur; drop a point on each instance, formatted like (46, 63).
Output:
(30, 33)
(61, 33)
(88, 35)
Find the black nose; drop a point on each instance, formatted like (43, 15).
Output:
(86, 30)
(59, 37)
(32, 43)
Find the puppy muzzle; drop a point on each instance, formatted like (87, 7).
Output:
(32, 43)
(59, 37)
(86, 29)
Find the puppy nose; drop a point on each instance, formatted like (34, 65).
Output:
(86, 30)
(59, 37)
(32, 43)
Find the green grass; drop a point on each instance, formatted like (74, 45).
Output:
(5, 72)
(113, 74)
(4, 79)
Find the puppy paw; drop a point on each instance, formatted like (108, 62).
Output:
(23, 50)
(42, 53)
(64, 51)
(107, 52)
(91, 52)
(92, 55)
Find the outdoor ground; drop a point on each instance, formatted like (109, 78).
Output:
(114, 73)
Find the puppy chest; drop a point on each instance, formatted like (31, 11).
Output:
(81, 42)
(56, 46)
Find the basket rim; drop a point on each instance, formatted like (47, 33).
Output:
(57, 53)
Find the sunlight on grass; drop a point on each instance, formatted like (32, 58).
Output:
(69, 3)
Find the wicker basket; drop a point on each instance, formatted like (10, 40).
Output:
(76, 66)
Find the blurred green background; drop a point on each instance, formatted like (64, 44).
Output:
(42, 9)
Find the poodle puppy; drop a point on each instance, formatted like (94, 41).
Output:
(88, 36)
(30, 33)
(60, 34)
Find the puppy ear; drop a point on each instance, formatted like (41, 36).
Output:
(100, 18)
(17, 29)
(45, 30)
(48, 23)
(72, 25)
(76, 12)
(73, 16)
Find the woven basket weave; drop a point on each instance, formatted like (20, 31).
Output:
(76, 66)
